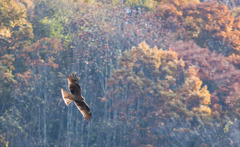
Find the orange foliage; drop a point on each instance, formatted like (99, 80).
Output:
(221, 76)
(207, 23)
(153, 85)
(160, 81)
(43, 52)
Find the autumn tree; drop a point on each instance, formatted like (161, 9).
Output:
(221, 76)
(209, 24)
(151, 86)
(35, 93)
(15, 33)
(153, 97)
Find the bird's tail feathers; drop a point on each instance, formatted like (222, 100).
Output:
(67, 97)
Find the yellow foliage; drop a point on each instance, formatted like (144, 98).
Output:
(13, 13)
(192, 71)
(3, 140)
(226, 127)
(144, 47)
(202, 21)
(150, 4)
(205, 95)
(235, 59)
(155, 74)
(202, 110)
(205, 109)
(115, 2)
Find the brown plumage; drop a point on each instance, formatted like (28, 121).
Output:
(76, 96)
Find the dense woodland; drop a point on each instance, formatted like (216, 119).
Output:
(154, 72)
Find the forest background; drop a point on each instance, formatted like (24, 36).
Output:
(154, 72)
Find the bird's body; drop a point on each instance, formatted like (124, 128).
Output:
(76, 96)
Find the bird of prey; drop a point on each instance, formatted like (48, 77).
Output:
(76, 96)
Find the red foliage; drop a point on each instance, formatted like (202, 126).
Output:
(221, 76)
(43, 52)
(210, 25)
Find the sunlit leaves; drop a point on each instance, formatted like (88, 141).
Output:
(15, 33)
(218, 74)
(209, 24)
(150, 96)
(14, 27)
(11, 13)
(153, 85)
(156, 77)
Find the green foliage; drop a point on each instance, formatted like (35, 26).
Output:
(50, 28)
(50, 20)
(226, 127)
(148, 4)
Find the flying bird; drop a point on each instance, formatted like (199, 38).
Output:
(76, 96)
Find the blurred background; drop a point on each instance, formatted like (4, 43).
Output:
(154, 72)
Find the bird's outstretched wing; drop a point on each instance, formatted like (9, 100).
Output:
(73, 85)
(84, 109)
(68, 97)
